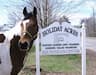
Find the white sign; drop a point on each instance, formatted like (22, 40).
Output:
(60, 39)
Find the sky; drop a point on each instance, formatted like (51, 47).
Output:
(8, 6)
(84, 10)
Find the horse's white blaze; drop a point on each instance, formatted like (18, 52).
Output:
(25, 23)
(5, 66)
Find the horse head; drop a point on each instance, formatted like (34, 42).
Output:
(29, 29)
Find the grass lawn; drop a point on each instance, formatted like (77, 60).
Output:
(61, 63)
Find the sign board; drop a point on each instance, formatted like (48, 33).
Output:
(60, 39)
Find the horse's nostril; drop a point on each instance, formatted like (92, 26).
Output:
(23, 45)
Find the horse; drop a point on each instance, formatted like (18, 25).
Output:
(16, 43)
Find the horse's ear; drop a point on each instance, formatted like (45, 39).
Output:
(25, 11)
(35, 11)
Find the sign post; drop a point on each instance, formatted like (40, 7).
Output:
(37, 56)
(83, 51)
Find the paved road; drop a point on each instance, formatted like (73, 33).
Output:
(91, 43)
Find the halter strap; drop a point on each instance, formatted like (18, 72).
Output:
(32, 37)
(29, 34)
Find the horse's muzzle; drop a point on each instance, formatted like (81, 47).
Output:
(24, 46)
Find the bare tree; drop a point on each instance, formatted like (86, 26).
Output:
(50, 10)
(13, 19)
(90, 26)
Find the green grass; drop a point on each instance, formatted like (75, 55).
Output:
(61, 63)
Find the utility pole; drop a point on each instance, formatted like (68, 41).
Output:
(94, 24)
